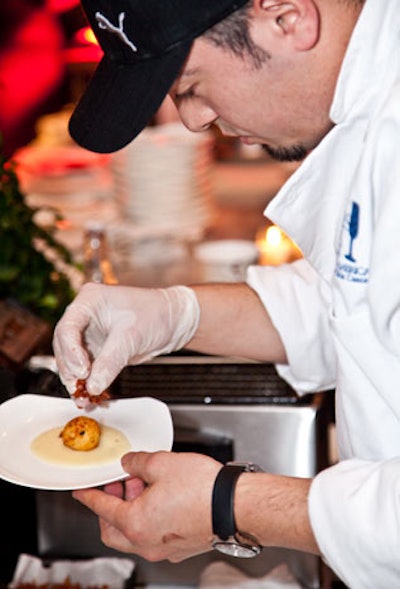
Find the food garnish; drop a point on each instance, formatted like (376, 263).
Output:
(82, 395)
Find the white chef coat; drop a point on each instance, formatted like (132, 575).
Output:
(338, 310)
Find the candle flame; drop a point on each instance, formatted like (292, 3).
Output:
(273, 236)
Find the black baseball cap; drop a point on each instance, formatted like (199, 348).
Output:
(145, 44)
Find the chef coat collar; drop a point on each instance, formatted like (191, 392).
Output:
(310, 198)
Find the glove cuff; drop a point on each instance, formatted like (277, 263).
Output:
(184, 310)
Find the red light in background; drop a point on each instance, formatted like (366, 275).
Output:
(85, 48)
(31, 69)
(60, 6)
(85, 36)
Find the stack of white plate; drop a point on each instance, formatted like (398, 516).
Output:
(163, 180)
(69, 180)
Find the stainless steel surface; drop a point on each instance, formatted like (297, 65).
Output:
(282, 438)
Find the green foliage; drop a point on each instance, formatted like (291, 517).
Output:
(25, 273)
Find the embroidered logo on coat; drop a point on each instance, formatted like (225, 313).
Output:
(347, 267)
(353, 229)
(105, 24)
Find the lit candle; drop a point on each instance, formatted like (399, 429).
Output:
(275, 247)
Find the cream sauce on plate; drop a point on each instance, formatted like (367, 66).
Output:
(48, 446)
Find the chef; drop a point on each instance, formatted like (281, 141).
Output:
(311, 80)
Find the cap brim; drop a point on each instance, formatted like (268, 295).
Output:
(121, 99)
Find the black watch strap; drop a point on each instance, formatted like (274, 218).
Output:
(223, 518)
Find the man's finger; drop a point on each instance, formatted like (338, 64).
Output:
(110, 508)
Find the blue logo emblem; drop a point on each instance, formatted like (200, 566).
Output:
(353, 229)
(347, 268)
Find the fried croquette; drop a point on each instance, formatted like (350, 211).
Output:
(81, 433)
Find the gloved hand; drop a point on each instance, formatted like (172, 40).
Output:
(107, 327)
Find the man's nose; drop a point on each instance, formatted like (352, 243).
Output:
(197, 117)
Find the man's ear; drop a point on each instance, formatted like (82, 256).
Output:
(296, 21)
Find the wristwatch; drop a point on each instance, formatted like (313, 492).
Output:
(227, 538)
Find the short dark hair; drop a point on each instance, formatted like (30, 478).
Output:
(233, 34)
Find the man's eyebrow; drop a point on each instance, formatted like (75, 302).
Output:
(191, 72)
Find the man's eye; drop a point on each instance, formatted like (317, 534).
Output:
(184, 95)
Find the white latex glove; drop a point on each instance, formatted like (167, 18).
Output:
(107, 327)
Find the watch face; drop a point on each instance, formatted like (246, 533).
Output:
(235, 549)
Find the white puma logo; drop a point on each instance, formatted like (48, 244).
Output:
(104, 23)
